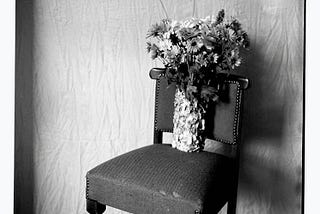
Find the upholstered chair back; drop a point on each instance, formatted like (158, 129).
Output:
(222, 118)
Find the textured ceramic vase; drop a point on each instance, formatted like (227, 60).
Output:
(188, 124)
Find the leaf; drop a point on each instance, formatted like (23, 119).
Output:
(209, 93)
(192, 88)
(148, 46)
(209, 42)
(219, 69)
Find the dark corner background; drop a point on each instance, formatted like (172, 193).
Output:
(24, 109)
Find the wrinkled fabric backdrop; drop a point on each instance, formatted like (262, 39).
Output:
(83, 96)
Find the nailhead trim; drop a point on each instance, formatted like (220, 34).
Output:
(236, 121)
(156, 104)
(222, 140)
(235, 129)
(87, 188)
(165, 130)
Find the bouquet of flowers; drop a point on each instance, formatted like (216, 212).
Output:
(195, 50)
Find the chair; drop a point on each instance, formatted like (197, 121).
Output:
(159, 179)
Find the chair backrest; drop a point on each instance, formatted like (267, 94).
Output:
(223, 120)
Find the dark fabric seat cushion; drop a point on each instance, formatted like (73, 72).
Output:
(160, 179)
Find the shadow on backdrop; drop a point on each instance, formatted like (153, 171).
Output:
(24, 109)
(261, 174)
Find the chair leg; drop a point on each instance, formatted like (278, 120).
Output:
(232, 205)
(232, 202)
(94, 207)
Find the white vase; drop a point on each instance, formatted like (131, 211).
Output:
(188, 124)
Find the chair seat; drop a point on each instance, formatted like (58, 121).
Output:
(160, 179)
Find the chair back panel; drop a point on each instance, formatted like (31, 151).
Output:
(222, 119)
(164, 105)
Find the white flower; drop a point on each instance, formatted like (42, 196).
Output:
(194, 45)
(215, 58)
(175, 50)
(165, 45)
(175, 24)
(231, 33)
(206, 19)
(166, 35)
(190, 23)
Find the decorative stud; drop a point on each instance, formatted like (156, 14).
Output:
(87, 188)
(236, 122)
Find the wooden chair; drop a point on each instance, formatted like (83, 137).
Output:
(159, 179)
